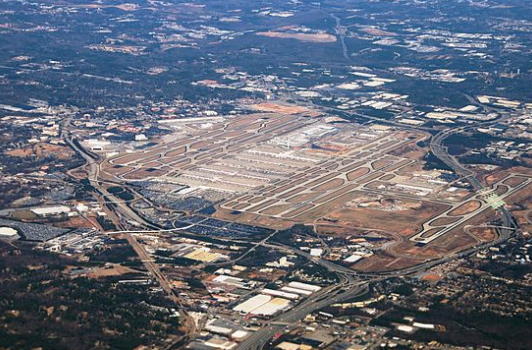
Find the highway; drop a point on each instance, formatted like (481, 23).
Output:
(333, 294)
(120, 206)
(121, 210)
(351, 284)
(440, 151)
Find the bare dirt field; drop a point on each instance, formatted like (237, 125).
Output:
(485, 234)
(430, 277)
(378, 32)
(314, 38)
(520, 205)
(466, 208)
(383, 261)
(514, 181)
(279, 108)
(444, 221)
(404, 222)
(42, 150)
(115, 270)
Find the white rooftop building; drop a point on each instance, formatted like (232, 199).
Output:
(51, 211)
(304, 286)
(272, 307)
(8, 232)
(253, 303)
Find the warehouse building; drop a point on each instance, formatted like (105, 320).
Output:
(304, 286)
(8, 233)
(251, 304)
(272, 307)
(47, 212)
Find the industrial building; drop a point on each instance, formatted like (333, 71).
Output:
(279, 293)
(46, 212)
(8, 233)
(253, 303)
(272, 307)
(304, 286)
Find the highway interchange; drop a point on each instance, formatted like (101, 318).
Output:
(351, 284)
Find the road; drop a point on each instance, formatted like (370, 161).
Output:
(119, 207)
(315, 302)
(351, 284)
(187, 321)
(121, 210)
(351, 280)
(440, 151)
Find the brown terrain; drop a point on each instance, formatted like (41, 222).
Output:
(279, 108)
(314, 38)
(42, 150)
